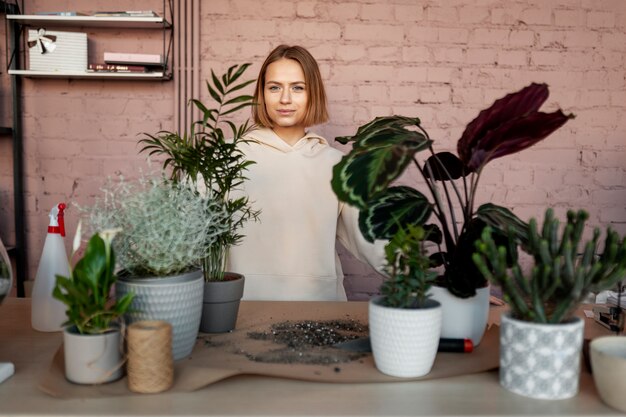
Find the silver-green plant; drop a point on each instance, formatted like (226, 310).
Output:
(167, 226)
(561, 276)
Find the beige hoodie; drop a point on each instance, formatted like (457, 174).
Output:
(290, 254)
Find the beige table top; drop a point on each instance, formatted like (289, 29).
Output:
(478, 394)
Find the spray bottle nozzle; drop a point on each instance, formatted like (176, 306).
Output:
(57, 221)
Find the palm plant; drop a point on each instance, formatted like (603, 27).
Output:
(385, 147)
(205, 157)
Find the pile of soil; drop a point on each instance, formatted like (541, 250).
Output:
(309, 342)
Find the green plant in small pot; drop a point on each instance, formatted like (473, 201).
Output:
(404, 322)
(383, 149)
(92, 340)
(206, 157)
(541, 338)
(167, 227)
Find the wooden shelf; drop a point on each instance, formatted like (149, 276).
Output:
(91, 21)
(91, 75)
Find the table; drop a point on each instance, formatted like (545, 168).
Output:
(478, 394)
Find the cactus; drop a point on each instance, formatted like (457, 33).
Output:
(561, 275)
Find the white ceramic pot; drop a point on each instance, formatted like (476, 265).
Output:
(608, 361)
(404, 341)
(463, 318)
(540, 360)
(92, 359)
(176, 299)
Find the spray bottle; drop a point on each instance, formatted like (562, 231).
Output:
(48, 313)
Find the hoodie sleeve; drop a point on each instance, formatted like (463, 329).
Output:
(350, 236)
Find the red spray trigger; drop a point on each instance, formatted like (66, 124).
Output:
(61, 208)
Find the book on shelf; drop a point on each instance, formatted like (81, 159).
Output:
(129, 13)
(133, 58)
(65, 13)
(103, 67)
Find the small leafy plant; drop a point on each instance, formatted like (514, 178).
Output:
(385, 147)
(560, 278)
(167, 227)
(205, 157)
(87, 292)
(408, 268)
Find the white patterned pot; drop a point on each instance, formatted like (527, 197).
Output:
(404, 341)
(176, 299)
(540, 360)
(92, 359)
(463, 318)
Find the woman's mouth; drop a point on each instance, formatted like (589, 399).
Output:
(286, 112)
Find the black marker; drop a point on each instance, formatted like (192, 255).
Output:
(455, 345)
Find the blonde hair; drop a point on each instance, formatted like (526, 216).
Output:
(316, 111)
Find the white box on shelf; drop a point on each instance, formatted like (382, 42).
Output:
(57, 51)
(132, 59)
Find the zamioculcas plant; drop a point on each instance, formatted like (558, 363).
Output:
(384, 148)
(205, 156)
(564, 271)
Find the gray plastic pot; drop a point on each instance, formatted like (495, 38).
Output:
(221, 303)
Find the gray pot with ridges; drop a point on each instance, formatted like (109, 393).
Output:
(221, 303)
(176, 299)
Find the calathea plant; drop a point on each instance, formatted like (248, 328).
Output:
(563, 273)
(205, 157)
(384, 148)
(87, 291)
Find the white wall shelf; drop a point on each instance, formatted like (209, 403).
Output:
(91, 21)
(91, 75)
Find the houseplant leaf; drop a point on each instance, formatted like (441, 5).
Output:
(444, 166)
(391, 210)
(510, 125)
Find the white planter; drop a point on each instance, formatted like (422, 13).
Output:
(176, 299)
(463, 318)
(540, 360)
(404, 341)
(608, 361)
(92, 359)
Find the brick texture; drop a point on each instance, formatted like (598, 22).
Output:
(440, 61)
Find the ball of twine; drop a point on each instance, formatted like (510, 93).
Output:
(150, 365)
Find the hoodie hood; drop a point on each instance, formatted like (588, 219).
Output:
(310, 144)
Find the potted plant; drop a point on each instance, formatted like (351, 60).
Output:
(167, 227)
(404, 322)
(384, 148)
(215, 164)
(541, 338)
(91, 339)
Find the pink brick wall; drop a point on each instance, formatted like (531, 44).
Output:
(440, 61)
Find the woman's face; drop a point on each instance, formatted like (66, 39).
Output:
(286, 97)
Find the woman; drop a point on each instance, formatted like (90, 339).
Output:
(289, 254)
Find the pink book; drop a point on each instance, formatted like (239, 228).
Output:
(133, 59)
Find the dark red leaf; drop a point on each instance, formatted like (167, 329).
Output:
(445, 166)
(515, 135)
(512, 106)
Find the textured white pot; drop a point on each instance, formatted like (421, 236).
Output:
(463, 318)
(540, 360)
(92, 359)
(176, 299)
(404, 341)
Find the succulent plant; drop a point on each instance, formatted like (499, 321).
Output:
(385, 147)
(561, 276)
(408, 268)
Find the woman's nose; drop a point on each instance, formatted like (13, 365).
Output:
(285, 96)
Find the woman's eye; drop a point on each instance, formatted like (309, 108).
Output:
(298, 88)
(273, 88)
